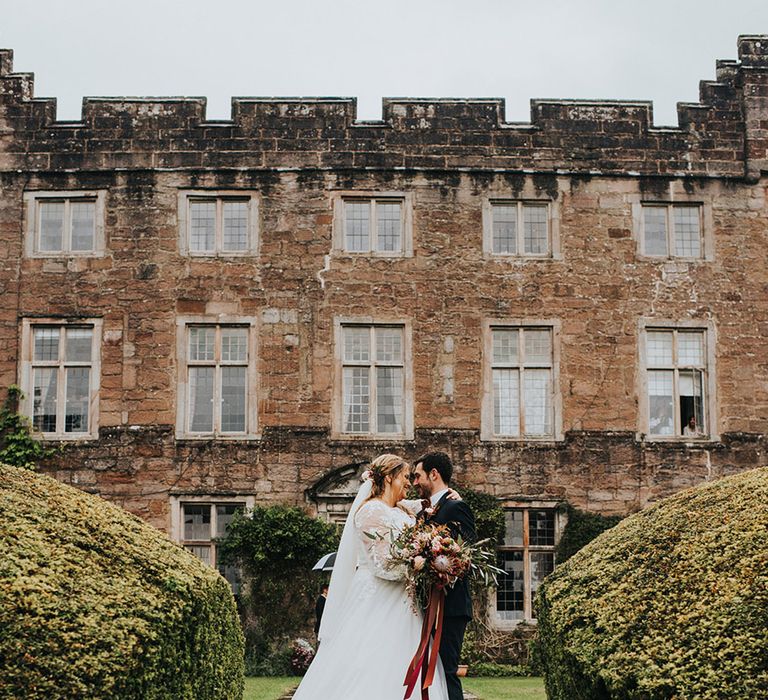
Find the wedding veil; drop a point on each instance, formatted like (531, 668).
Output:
(343, 569)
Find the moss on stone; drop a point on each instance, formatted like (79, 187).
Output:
(670, 603)
(95, 603)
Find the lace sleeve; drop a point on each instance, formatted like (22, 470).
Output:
(374, 519)
(413, 506)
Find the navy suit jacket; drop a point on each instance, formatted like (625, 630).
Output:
(458, 516)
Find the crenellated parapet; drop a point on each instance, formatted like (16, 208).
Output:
(723, 134)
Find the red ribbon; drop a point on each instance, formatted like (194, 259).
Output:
(423, 661)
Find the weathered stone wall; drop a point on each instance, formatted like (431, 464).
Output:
(592, 160)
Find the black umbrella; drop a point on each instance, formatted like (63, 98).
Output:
(325, 563)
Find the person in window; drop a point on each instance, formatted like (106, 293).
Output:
(691, 429)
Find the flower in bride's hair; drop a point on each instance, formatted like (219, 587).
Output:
(366, 475)
(442, 564)
(418, 563)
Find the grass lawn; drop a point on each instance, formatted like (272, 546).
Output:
(505, 688)
(484, 688)
(268, 688)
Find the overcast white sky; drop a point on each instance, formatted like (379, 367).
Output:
(516, 49)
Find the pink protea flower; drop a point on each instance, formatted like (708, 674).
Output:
(418, 563)
(442, 564)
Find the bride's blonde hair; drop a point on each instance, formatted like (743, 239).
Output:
(383, 466)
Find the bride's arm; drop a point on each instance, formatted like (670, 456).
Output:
(374, 529)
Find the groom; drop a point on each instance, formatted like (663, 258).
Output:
(431, 477)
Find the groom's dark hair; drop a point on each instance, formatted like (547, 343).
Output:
(440, 461)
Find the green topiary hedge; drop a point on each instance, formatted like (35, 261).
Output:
(670, 603)
(95, 603)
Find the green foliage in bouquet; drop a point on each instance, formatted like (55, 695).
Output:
(95, 603)
(18, 446)
(276, 547)
(670, 603)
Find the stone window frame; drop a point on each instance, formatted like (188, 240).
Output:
(252, 379)
(32, 210)
(528, 195)
(681, 198)
(560, 522)
(338, 201)
(177, 501)
(186, 196)
(710, 401)
(26, 366)
(337, 420)
(486, 419)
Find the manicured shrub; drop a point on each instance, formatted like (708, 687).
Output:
(95, 603)
(670, 603)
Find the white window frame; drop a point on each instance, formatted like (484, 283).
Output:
(176, 514)
(26, 367)
(560, 522)
(487, 417)
(677, 197)
(710, 403)
(339, 200)
(185, 199)
(552, 227)
(182, 390)
(337, 427)
(32, 212)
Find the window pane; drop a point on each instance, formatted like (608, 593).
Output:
(83, 224)
(202, 229)
(504, 228)
(357, 341)
(201, 342)
(356, 399)
(357, 224)
(690, 349)
(235, 235)
(513, 528)
(201, 399)
(659, 348)
(389, 345)
(44, 399)
(661, 403)
(538, 391)
(691, 383)
(51, 226)
(506, 402)
(233, 399)
(542, 565)
(46, 345)
(535, 229)
(225, 514)
(510, 595)
(197, 522)
(541, 528)
(78, 388)
(388, 221)
(202, 552)
(78, 345)
(655, 230)
(505, 347)
(687, 233)
(389, 397)
(234, 344)
(538, 347)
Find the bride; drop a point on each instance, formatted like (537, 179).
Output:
(369, 632)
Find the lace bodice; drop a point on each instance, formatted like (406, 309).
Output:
(376, 517)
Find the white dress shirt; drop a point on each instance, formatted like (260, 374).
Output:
(437, 496)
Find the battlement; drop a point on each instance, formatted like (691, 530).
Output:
(712, 136)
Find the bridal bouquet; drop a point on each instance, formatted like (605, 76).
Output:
(432, 559)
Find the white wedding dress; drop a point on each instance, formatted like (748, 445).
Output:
(372, 633)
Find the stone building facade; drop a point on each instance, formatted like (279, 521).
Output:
(213, 313)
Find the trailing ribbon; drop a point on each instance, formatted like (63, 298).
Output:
(423, 661)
